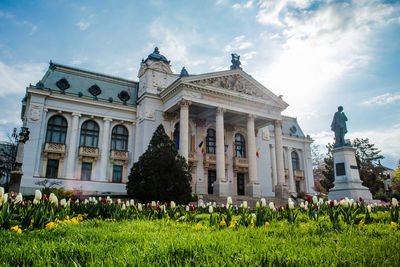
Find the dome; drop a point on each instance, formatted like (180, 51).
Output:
(157, 56)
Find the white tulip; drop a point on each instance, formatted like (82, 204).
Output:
(38, 195)
(335, 203)
(321, 201)
(99, 199)
(245, 204)
(257, 204)
(139, 207)
(395, 203)
(153, 204)
(132, 202)
(173, 205)
(306, 207)
(263, 202)
(210, 209)
(315, 199)
(200, 203)
(254, 216)
(53, 199)
(86, 201)
(187, 208)
(63, 202)
(35, 201)
(214, 204)
(291, 204)
(302, 205)
(271, 205)
(351, 201)
(229, 201)
(18, 198)
(223, 206)
(123, 206)
(369, 208)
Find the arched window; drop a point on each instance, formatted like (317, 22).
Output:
(176, 135)
(56, 130)
(210, 141)
(295, 161)
(89, 134)
(240, 146)
(119, 138)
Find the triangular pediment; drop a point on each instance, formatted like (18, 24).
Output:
(236, 81)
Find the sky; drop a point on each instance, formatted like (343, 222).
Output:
(317, 54)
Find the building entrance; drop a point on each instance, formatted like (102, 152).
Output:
(240, 184)
(212, 177)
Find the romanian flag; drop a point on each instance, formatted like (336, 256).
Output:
(258, 153)
(201, 146)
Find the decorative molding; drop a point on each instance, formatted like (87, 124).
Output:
(34, 114)
(94, 90)
(63, 84)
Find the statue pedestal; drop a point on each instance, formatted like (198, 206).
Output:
(347, 178)
(253, 189)
(221, 188)
(281, 191)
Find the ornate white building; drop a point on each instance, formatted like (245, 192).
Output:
(87, 129)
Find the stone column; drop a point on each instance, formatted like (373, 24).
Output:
(104, 157)
(72, 146)
(253, 187)
(280, 189)
(184, 129)
(42, 136)
(305, 171)
(290, 169)
(220, 185)
(273, 165)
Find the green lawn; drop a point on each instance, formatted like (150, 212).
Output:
(144, 243)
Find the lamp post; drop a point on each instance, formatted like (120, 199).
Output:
(16, 173)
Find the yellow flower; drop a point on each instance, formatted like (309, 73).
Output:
(266, 224)
(393, 224)
(361, 223)
(222, 223)
(114, 220)
(232, 225)
(19, 231)
(252, 223)
(15, 228)
(51, 225)
(74, 220)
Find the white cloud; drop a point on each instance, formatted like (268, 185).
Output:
(317, 45)
(384, 99)
(239, 43)
(15, 78)
(84, 23)
(245, 5)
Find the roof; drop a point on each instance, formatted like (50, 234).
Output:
(157, 56)
(83, 83)
(290, 127)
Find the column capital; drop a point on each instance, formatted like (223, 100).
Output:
(75, 114)
(278, 123)
(251, 116)
(220, 110)
(185, 103)
(107, 119)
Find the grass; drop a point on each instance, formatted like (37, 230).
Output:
(144, 243)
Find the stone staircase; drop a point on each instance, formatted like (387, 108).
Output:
(237, 200)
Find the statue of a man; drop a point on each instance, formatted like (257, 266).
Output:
(339, 127)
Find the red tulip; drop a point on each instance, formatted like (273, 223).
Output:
(308, 199)
(331, 203)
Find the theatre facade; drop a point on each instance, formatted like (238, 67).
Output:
(87, 129)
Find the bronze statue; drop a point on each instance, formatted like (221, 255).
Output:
(339, 127)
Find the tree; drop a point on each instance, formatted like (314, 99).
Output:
(367, 157)
(160, 173)
(396, 179)
(8, 153)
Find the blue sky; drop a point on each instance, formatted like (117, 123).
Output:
(317, 54)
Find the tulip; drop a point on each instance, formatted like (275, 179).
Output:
(35, 201)
(302, 205)
(210, 209)
(63, 202)
(308, 199)
(245, 204)
(1, 192)
(395, 203)
(77, 201)
(351, 201)
(229, 201)
(53, 199)
(187, 208)
(153, 204)
(18, 198)
(38, 195)
(173, 205)
(86, 201)
(290, 204)
(335, 203)
(254, 216)
(315, 199)
(123, 207)
(257, 204)
(271, 205)
(263, 203)
(321, 201)
(214, 204)
(140, 207)
(132, 202)
(369, 208)
(99, 199)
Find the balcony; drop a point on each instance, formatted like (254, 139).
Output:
(90, 152)
(192, 157)
(119, 155)
(298, 173)
(240, 162)
(211, 159)
(54, 148)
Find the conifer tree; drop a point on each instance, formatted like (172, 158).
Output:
(160, 173)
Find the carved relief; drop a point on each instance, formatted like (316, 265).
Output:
(35, 113)
(147, 115)
(265, 134)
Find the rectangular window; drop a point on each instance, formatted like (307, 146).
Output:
(52, 168)
(117, 173)
(86, 171)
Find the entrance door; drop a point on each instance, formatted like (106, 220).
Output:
(240, 184)
(212, 176)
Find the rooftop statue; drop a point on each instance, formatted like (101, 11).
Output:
(339, 127)
(235, 62)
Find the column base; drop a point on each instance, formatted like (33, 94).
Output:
(351, 190)
(281, 191)
(221, 188)
(15, 183)
(199, 188)
(253, 190)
